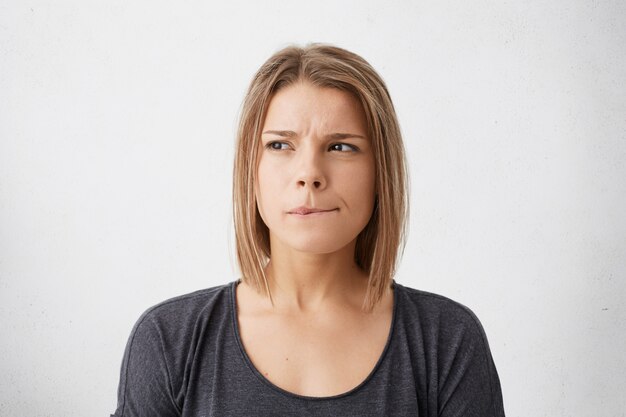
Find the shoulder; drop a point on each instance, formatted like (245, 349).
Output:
(440, 317)
(194, 303)
(450, 344)
(436, 305)
(152, 377)
(175, 320)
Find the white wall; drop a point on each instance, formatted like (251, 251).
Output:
(117, 121)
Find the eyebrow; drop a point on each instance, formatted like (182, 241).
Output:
(291, 134)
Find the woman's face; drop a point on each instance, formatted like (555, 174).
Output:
(315, 154)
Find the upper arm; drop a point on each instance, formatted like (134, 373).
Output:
(145, 388)
(469, 384)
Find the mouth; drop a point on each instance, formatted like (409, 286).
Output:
(305, 211)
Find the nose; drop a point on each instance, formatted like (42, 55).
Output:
(310, 170)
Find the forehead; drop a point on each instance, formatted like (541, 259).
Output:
(303, 105)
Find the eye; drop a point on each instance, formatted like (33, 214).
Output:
(343, 147)
(276, 146)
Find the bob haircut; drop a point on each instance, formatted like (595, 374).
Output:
(378, 245)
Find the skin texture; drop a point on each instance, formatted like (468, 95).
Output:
(315, 340)
(312, 169)
(309, 164)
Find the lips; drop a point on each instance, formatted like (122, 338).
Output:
(303, 211)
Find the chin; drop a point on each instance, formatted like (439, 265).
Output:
(317, 245)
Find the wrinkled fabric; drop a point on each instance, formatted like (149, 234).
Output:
(184, 357)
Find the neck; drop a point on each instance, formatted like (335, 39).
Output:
(303, 282)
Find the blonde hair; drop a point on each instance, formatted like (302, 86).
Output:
(379, 243)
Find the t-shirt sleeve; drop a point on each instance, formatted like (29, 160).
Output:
(145, 388)
(468, 381)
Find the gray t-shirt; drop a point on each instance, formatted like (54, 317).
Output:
(185, 358)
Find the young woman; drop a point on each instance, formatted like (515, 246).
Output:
(316, 325)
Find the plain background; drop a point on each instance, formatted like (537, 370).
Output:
(117, 123)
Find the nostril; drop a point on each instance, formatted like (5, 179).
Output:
(313, 184)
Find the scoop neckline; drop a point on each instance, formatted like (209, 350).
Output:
(264, 380)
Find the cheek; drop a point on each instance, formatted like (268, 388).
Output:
(265, 190)
(366, 175)
(358, 187)
(364, 193)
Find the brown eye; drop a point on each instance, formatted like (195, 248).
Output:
(343, 147)
(276, 146)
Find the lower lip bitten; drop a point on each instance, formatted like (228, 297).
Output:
(314, 214)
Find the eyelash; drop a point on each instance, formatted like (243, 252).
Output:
(269, 146)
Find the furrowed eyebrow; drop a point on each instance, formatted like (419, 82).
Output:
(291, 134)
(283, 133)
(346, 136)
